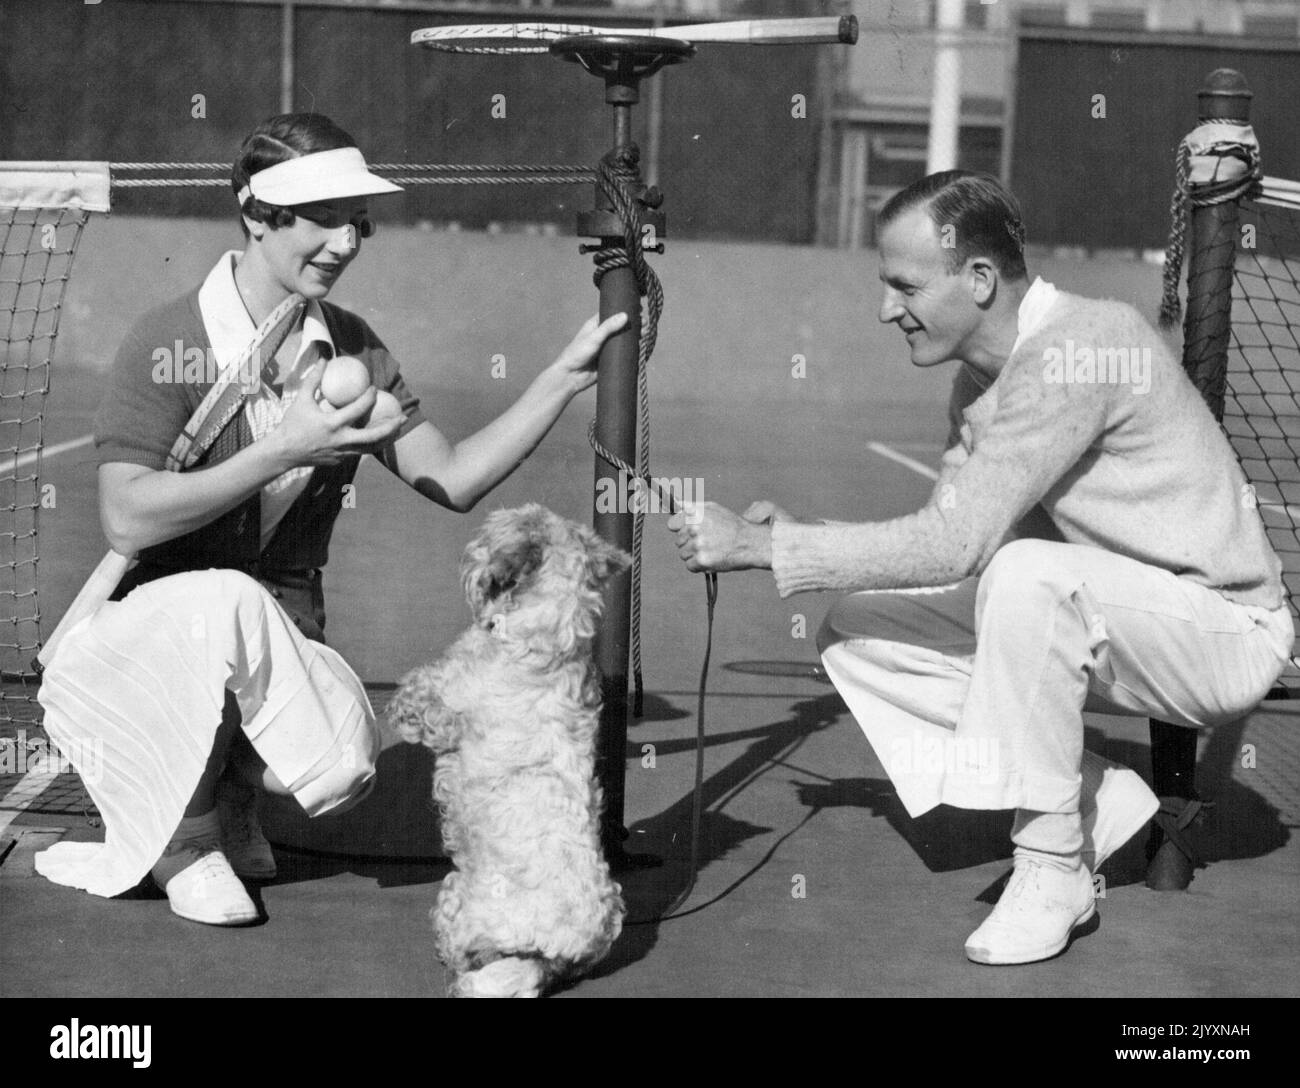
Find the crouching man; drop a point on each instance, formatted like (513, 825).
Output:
(1090, 543)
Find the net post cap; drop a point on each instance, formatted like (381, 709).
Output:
(1225, 95)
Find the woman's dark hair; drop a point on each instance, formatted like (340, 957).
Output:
(278, 139)
(984, 217)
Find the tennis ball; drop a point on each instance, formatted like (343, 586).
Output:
(345, 379)
(386, 407)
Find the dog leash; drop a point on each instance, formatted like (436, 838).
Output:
(697, 798)
(711, 598)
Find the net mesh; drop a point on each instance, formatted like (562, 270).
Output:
(37, 250)
(1262, 397)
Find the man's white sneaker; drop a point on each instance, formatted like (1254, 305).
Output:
(208, 891)
(1120, 806)
(1033, 920)
(241, 835)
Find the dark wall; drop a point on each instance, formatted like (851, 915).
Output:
(1107, 182)
(115, 81)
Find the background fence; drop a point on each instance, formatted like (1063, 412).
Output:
(1105, 182)
(120, 80)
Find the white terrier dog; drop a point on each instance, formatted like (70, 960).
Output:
(512, 711)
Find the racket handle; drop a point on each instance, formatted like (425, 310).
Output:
(98, 588)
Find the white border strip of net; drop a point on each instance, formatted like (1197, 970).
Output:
(1280, 193)
(82, 185)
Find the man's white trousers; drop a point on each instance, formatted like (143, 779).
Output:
(973, 695)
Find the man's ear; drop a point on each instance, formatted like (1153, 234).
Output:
(984, 280)
(255, 229)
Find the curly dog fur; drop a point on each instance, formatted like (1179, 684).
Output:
(512, 709)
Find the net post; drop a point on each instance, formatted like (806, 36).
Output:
(616, 420)
(1207, 326)
(623, 62)
(1214, 233)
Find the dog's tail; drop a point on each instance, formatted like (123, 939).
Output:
(512, 976)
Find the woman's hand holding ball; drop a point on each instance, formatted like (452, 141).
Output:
(345, 378)
(337, 414)
(386, 407)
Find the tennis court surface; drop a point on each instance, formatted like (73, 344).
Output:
(814, 881)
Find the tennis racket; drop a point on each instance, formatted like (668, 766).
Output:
(214, 412)
(537, 37)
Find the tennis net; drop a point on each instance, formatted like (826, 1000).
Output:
(1262, 396)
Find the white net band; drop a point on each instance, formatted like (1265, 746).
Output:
(1280, 193)
(52, 185)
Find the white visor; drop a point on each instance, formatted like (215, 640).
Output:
(309, 179)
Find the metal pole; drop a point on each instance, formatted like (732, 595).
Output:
(828, 83)
(623, 61)
(1212, 246)
(654, 116)
(616, 417)
(287, 50)
(945, 95)
(1213, 234)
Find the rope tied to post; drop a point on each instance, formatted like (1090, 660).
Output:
(1217, 162)
(619, 179)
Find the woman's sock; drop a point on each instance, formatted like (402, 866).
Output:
(194, 836)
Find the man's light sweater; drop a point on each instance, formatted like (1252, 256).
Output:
(1148, 475)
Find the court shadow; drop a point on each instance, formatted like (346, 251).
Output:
(655, 708)
(1237, 824)
(298, 866)
(649, 892)
(945, 838)
(392, 836)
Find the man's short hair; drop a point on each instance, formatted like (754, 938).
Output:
(276, 140)
(985, 218)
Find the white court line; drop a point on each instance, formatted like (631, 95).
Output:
(53, 451)
(29, 787)
(903, 459)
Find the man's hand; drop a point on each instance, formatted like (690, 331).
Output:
(765, 513)
(710, 537)
(315, 433)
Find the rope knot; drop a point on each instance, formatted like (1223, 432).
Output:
(1217, 162)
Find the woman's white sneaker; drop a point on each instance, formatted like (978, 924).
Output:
(208, 891)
